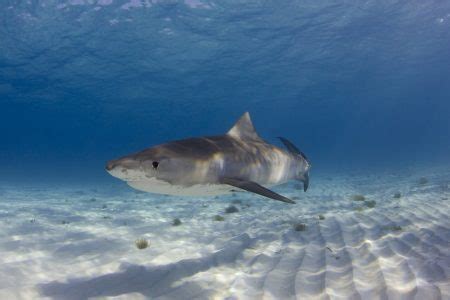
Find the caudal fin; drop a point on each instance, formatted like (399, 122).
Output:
(305, 181)
(294, 150)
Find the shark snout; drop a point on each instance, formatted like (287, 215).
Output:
(126, 168)
(122, 164)
(110, 165)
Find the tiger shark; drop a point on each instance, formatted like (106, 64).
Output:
(213, 165)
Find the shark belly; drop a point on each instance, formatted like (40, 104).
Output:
(163, 187)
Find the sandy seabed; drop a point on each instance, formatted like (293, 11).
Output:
(79, 242)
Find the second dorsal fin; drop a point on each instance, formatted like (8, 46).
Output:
(243, 129)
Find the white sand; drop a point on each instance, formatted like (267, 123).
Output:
(400, 249)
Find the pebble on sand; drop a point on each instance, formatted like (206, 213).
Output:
(141, 243)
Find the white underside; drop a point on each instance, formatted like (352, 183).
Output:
(162, 187)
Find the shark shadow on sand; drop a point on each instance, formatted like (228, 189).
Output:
(153, 281)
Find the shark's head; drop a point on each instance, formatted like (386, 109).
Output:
(168, 163)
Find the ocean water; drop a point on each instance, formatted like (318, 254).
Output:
(361, 87)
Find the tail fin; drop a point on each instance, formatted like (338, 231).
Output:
(294, 150)
(305, 180)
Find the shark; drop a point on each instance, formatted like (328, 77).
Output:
(239, 160)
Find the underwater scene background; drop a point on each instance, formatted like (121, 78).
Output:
(362, 87)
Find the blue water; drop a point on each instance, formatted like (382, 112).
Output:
(361, 87)
(355, 84)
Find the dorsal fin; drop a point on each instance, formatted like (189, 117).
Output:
(243, 129)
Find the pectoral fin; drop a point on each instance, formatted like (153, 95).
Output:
(253, 187)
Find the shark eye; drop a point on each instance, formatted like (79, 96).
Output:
(155, 164)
